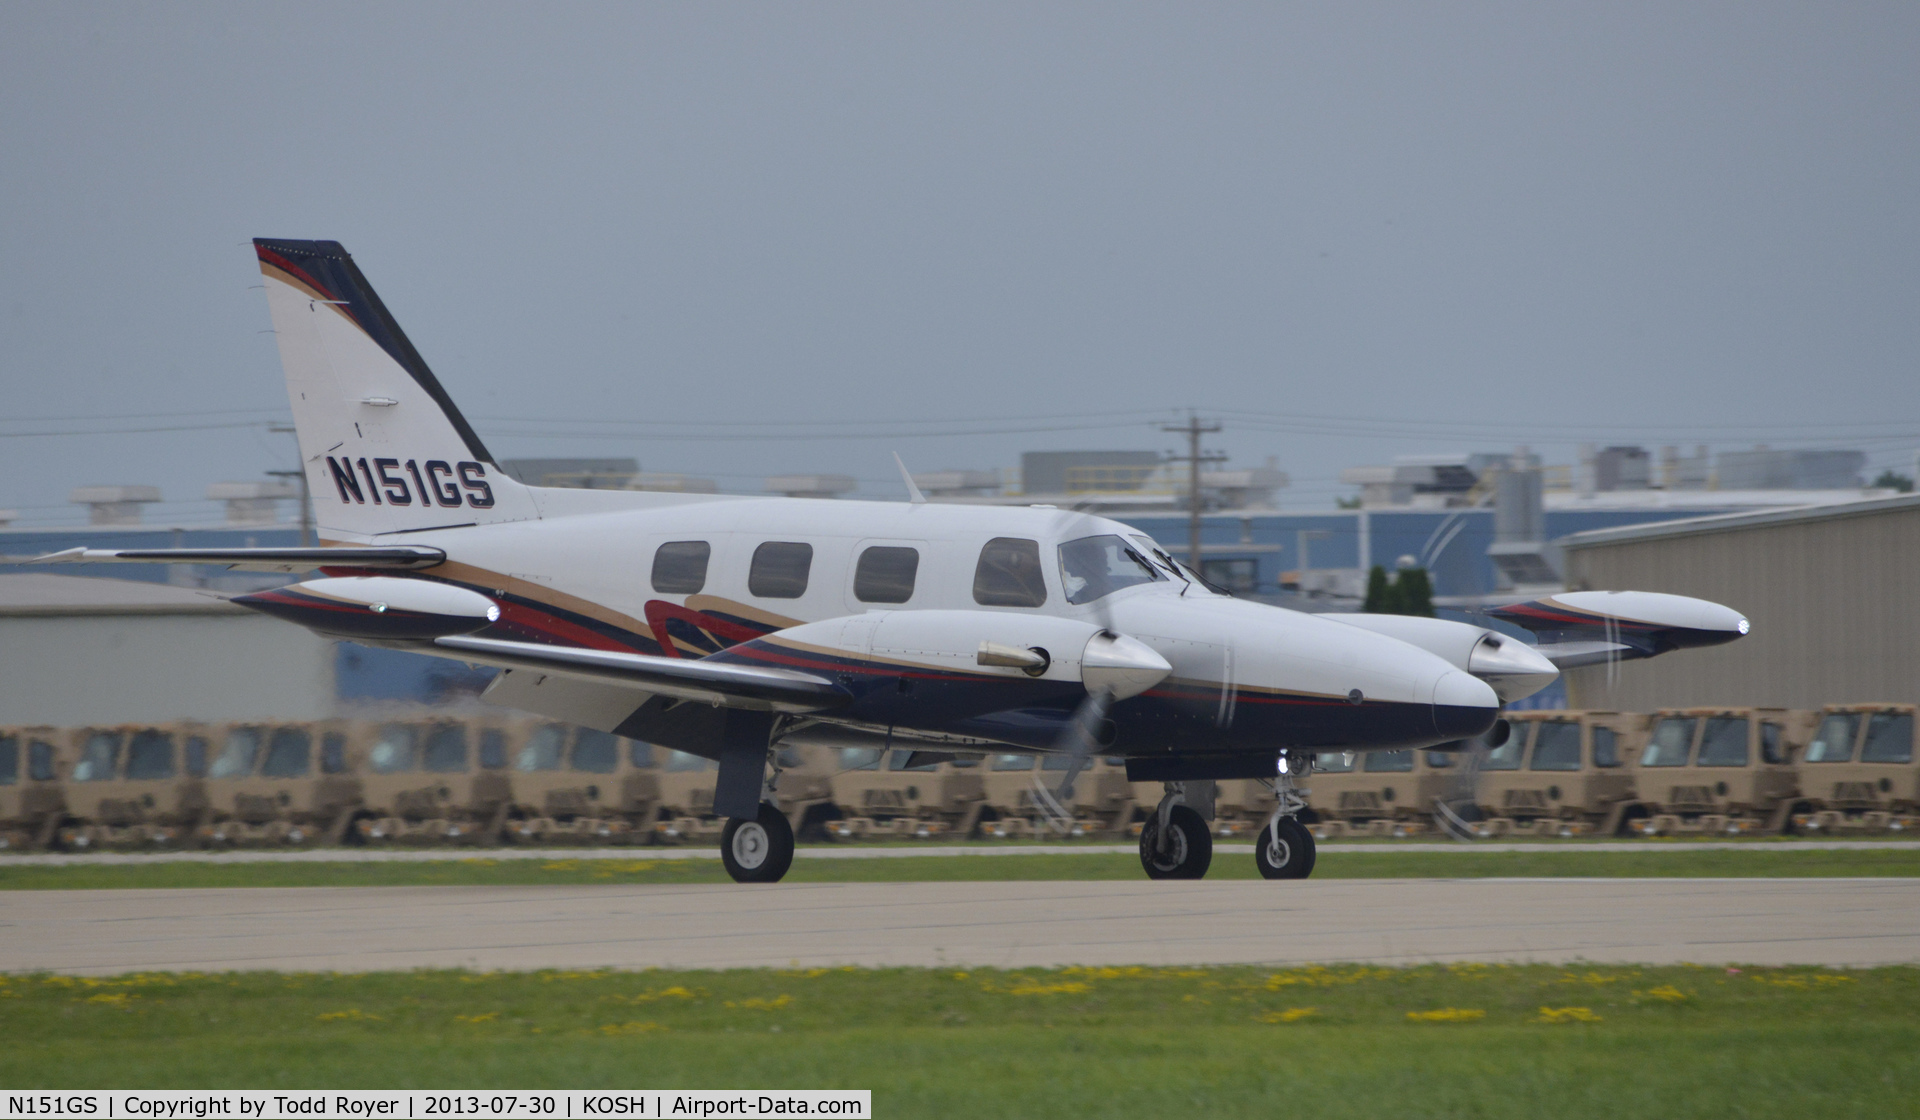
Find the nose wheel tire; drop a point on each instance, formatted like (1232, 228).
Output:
(1188, 849)
(758, 850)
(1290, 856)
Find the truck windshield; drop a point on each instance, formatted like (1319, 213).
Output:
(1333, 762)
(1095, 566)
(1507, 755)
(1889, 738)
(237, 754)
(1556, 746)
(1834, 741)
(1389, 762)
(1724, 742)
(1672, 739)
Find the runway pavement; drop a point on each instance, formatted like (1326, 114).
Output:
(351, 929)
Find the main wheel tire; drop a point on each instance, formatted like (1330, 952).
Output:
(1189, 846)
(758, 850)
(1289, 856)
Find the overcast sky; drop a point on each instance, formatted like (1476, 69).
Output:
(733, 227)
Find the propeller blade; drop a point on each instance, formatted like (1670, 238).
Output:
(1079, 739)
(1459, 813)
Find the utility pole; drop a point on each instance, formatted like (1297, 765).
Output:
(1193, 429)
(306, 502)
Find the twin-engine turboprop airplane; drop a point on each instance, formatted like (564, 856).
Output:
(722, 626)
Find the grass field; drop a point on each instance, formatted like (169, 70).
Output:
(1233, 863)
(1469, 1041)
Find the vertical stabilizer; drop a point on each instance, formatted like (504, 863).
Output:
(384, 448)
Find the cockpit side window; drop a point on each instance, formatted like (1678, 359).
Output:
(1095, 566)
(1008, 574)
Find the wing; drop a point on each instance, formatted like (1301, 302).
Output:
(735, 686)
(1578, 628)
(256, 559)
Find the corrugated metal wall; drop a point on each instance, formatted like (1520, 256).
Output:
(1835, 605)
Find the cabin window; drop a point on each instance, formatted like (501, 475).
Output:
(150, 756)
(681, 762)
(1006, 762)
(1770, 751)
(1008, 574)
(9, 760)
(493, 749)
(885, 574)
(40, 760)
(1092, 567)
(333, 753)
(1606, 747)
(289, 754)
(1889, 738)
(680, 567)
(1833, 742)
(1724, 743)
(780, 570)
(395, 752)
(197, 756)
(542, 751)
(1389, 762)
(1556, 746)
(1334, 762)
(903, 760)
(595, 752)
(99, 757)
(640, 754)
(1672, 739)
(237, 755)
(446, 750)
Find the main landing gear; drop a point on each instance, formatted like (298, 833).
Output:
(1175, 842)
(758, 850)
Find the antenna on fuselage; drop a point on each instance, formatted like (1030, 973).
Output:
(914, 496)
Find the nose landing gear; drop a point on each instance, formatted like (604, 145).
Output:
(1284, 849)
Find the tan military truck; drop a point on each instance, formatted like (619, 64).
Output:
(1858, 772)
(904, 794)
(1376, 793)
(1722, 771)
(1560, 774)
(577, 785)
(1104, 805)
(128, 787)
(276, 783)
(33, 799)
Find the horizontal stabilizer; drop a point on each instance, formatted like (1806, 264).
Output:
(255, 559)
(738, 686)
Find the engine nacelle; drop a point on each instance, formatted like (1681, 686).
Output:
(990, 642)
(378, 607)
(1511, 667)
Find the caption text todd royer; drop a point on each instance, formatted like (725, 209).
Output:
(675, 1104)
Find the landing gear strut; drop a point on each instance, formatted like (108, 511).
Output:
(1284, 848)
(1175, 842)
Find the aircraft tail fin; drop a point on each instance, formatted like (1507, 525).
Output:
(385, 449)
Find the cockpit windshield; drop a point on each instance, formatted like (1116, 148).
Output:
(1095, 566)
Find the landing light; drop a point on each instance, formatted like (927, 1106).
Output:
(1745, 626)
